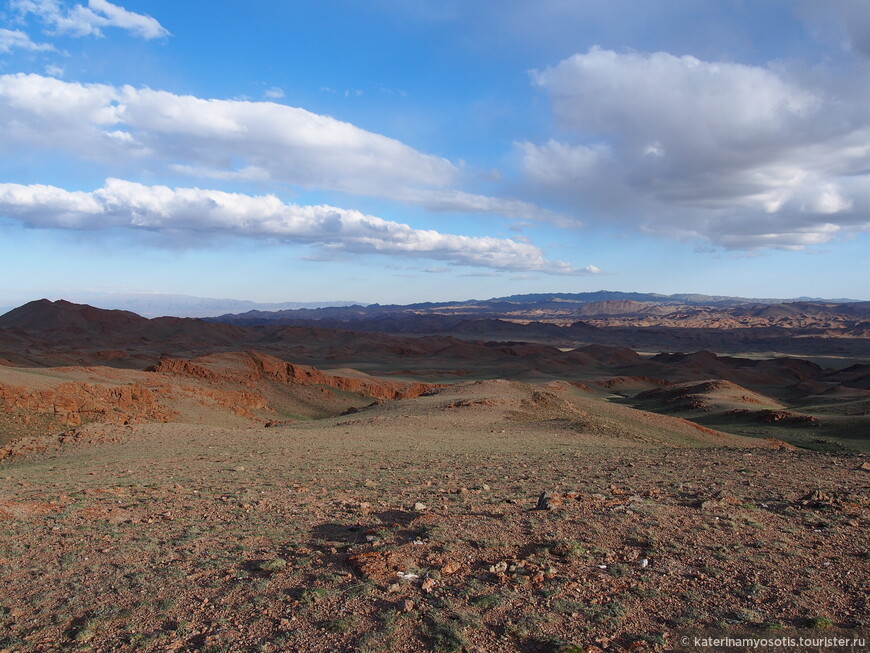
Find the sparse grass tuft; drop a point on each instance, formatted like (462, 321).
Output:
(819, 622)
(340, 625)
(447, 634)
(271, 566)
(486, 601)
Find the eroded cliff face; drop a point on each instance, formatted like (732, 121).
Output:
(76, 403)
(250, 368)
(243, 385)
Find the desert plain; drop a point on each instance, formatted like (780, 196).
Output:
(525, 475)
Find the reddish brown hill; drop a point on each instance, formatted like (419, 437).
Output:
(854, 376)
(228, 388)
(250, 368)
(705, 396)
(193, 331)
(44, 315)
(58, 333)
(742, 371)
(603, 355)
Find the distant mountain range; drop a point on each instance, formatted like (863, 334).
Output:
(541, 307)
(680, 298)
(159, 304)
(63, 333)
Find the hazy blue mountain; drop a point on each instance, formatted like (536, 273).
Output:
(158, 304)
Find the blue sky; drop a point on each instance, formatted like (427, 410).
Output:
(414, 150)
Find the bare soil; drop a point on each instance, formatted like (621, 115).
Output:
(410, 526)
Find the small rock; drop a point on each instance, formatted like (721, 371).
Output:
(499, 567)
(370, 483)
(865, 467)
(816, 498)
(720, 500)
(644, 563)
(450, 568)
(549, 501)
(419, 506)
(486, 488)
(428, 584)
(408, 606)
(377, 565)
(394, 587)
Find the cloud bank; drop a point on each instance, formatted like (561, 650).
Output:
(742, 156)
(232, 140)
(124, 204)
(82, 21)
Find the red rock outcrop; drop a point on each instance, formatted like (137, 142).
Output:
(74, 403)
(240, 384)
(250, 368)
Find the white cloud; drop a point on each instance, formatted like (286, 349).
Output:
(159, 208)
(91, 20)
(13, 39)
(274, 92)
(740, 155)
(289, 143)
(232, 139)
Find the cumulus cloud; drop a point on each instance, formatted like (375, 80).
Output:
(288, 143)
(743, 156)
(91, 20)
(232, 139)
(13, 39)
(124, 204)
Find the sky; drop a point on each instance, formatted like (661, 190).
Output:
(397, 151)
